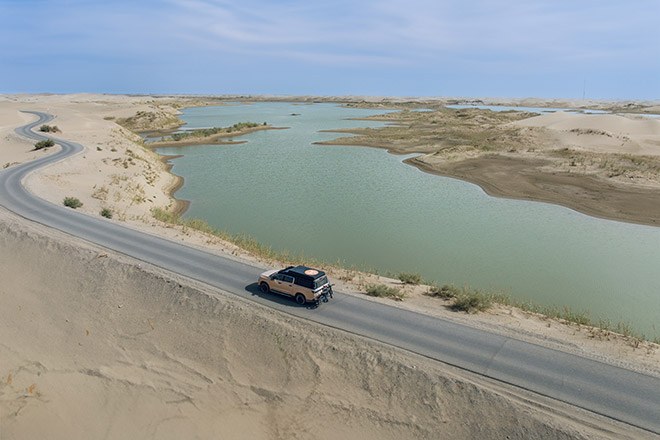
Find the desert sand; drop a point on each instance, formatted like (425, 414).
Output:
(96, 346)
(93, 344)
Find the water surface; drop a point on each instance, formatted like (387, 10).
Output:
(540, 110)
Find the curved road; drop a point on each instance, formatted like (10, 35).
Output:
(617, 393)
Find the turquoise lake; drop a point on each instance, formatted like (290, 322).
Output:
(364, 207)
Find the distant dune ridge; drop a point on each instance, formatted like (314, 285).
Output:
(602, 133)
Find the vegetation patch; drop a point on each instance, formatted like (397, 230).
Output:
(244, 241)
(214, 131)
(72, 202)
(100, 193)
(612, 164)
(463, 299)
(590, 131)
(149, 120)
(106, 212)
(383, 291)
(447, 291)
(410, 278)
(472, 301)
(49, 129)
(46, 143)
(441, 128)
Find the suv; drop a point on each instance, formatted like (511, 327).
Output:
(303, 283)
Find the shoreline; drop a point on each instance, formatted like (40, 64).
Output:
(180, 205)
(591, 185)
(470, 170)
(166, 144)
(214, 139)
(526, 177)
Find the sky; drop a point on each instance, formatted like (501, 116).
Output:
(598, 49)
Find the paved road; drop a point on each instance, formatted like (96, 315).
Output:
(614, 392)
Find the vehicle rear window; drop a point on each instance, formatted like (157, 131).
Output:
(320, 281)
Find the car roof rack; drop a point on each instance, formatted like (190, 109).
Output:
(304, 271)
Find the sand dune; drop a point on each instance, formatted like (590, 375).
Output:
(637, 125)
(601, 132)
(97, 346)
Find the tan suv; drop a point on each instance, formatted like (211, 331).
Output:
(302, 283)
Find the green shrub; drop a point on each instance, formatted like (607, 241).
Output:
(410, 278)
(205, 132)
(106, 212)
(472, 301)
(49, 129)
(44, 144)
(465, 299)
(383, 291)
(72, 202)
(447, 291)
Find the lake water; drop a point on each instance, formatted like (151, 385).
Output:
(364, 207)
(540, 110)
(544, 110)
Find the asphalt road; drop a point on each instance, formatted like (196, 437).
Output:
(620, 394)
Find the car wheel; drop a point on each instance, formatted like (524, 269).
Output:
(265, 288)
(300, 298)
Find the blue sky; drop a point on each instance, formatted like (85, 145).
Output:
(492, 48)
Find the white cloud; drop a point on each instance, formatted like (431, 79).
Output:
(387, 30)
(478, 33)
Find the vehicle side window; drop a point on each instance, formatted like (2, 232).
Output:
(277, 277)
(305, 282)
(287, 279)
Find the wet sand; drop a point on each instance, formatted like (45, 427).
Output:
(516, 178)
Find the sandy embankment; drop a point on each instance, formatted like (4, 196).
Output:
(95, 346)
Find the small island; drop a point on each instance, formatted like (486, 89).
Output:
(213, 135)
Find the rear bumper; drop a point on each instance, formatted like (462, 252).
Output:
(323, 295)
